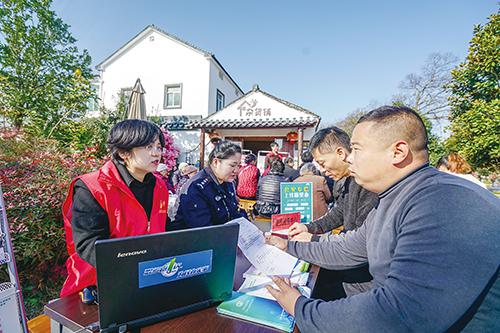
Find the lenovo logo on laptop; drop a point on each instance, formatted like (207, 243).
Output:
(163, 270)
(129, 254)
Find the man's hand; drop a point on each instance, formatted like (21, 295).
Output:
(296, 229)
(285, 294)
(302, 237)
(279, 242)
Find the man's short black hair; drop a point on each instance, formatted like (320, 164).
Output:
(277, 167)
(328, 139)
(399, 122)
(306, 156)
(224, 150)
(132, 133)
(273, 144)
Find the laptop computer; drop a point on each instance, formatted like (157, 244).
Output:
(146, 279)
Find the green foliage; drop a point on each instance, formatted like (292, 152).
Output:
(44, 79)
(475, 113)
(436, 145)
(476, 135)
(35, 182)
(477, 78)
(92, 131)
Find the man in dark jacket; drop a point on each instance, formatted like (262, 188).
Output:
(290, 172)
(268, 190)
(330, 148)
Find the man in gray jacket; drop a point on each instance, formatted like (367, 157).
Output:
(432, 242)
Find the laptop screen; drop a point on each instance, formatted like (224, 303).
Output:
(149, 278)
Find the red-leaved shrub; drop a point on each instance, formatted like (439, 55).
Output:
(35, 176)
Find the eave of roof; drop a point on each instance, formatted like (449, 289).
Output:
(254, 123)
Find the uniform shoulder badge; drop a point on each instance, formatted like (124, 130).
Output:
(204, 182)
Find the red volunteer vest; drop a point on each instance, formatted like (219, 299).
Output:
(125, 214)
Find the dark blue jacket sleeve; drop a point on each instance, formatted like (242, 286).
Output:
(196, 211)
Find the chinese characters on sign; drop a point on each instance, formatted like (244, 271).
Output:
(297, 197)
(281, 222)
(250, 109)
(284, 221)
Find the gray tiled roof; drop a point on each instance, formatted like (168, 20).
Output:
(178, 122)
(254, 123)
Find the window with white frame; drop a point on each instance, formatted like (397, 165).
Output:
(219, 102)
(173, 96)
(93, 103)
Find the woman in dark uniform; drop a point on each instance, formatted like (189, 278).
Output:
(209, 198)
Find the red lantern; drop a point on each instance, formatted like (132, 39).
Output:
(292, 137)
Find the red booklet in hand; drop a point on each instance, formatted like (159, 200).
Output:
(281, 222)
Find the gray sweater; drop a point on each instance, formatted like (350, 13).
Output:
(433, 246)
(352, 205)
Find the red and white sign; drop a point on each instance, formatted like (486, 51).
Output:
(281, 222)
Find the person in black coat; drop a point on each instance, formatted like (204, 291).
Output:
(290, 172)
(268, 190)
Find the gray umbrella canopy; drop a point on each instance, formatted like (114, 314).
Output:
(137, 104)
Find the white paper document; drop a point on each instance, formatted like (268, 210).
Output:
(266, 258)
(298, 277)
(255, 285)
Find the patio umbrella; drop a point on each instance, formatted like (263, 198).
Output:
(136, 103)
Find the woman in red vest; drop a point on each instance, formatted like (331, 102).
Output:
(123, 198)
(248, 178)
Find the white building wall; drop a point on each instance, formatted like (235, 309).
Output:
(269, 108)
(219, 80)
(158, 61)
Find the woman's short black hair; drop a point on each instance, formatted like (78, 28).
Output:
(277, 167)
(250, 158)
(224, 150)
(132, 133)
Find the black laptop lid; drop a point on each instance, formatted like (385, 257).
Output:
(149, 278)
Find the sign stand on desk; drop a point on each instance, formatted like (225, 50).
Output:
(12, 312)
(297, 197)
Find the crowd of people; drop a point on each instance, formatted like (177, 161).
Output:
(419, 247)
